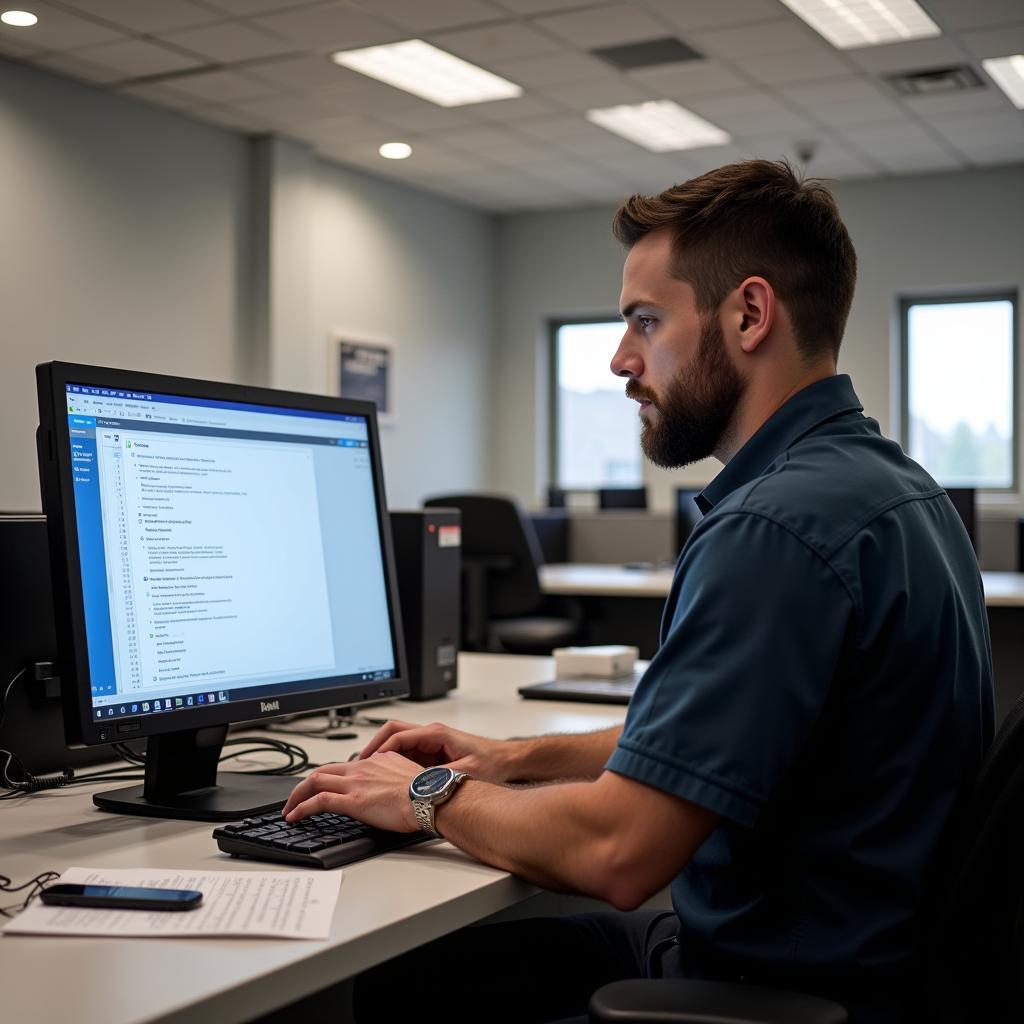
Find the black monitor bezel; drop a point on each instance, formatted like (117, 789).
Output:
(54, 450)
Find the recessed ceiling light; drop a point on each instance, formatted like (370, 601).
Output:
(395, 150)
(847, 24)
(19, 19)
(428, 72)
(1008, 74)
(659, 125)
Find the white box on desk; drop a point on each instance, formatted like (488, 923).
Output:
(606, 661)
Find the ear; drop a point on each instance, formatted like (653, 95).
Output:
(755, 303)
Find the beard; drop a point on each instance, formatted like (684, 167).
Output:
(697, 407)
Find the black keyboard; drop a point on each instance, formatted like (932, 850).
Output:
(319, 841)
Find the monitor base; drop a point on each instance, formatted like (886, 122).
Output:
(237, 795)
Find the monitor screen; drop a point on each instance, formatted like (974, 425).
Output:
(226, 551)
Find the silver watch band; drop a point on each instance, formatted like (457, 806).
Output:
(424, 811)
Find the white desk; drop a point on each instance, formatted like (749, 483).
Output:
(388, 904)
(1002, 589)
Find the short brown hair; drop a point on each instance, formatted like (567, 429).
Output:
(756, 217)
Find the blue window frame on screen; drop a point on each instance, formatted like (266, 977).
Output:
(959, 406)
(594, 429)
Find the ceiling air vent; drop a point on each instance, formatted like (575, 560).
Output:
(647, 54)
(936, 80)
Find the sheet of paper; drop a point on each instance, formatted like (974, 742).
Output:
(250, 904)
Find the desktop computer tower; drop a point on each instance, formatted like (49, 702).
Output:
(427, 546)
(32, 722)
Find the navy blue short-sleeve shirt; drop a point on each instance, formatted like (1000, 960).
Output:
(823, 683)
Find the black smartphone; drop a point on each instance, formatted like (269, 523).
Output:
(121, 897)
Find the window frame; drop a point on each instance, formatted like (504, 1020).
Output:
(555, 324)
(1010, 295)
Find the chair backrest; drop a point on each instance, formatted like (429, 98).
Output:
(963, 499)
(622, 497)
(556, 496)
(975, 962)
(687, 515)
(495, 530)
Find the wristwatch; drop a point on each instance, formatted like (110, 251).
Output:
(430, 788)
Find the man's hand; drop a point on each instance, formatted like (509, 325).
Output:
(374, 790)
(434, 744)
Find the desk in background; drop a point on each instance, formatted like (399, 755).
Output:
(624, 606)
(388, 904)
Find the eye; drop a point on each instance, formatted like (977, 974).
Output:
(645, 321)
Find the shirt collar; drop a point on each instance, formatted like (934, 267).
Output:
(808, 408)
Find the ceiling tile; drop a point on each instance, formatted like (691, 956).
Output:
(136, 58)
(755, 39)
(162, 96)
(73, 66)
(350, 127)
(764, 122)
(1003, 153)
(291, 109)
(604, 92)
(491, 44)
(498, 145)
(989, 98)
(803, 66)
(510, 110)
(366, 95)
(607, 25)
(956, 14)
(891, 140)
(539, 6)
(229, 41)
(304, 72)
(230, 117)
(865, 112)
(692, 15)
(330, 26)
(58, 29)
(981, 129)
(1002, 42)
(559, 128)
(429, 16)
(649, 172)
(821, 95)
(11, 46)
(921, 162)
(145, 17)
(221, 86)
(832, 159)
(914, 56)
(551, 69)
(250, 8)
(689, 78)
(418, 115)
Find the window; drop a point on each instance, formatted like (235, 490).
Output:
(959, 401)
(595, 430)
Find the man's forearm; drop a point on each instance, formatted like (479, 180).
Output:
(562, 756)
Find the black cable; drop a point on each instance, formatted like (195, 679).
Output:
(36, 885)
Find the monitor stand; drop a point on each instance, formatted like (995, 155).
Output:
(182, 782)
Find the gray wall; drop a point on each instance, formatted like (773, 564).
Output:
(135, 237)
(123, 235)
(913, 234)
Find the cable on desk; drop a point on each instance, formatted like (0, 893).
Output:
(35, 886)
(297, 760)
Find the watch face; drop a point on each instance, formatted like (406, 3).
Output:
(432, 781)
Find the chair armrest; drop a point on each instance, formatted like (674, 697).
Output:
(667, 1001)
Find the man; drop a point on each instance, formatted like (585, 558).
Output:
(822, 694)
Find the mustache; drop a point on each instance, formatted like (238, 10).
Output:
(638, 393)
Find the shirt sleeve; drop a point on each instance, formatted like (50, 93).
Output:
(742, 676)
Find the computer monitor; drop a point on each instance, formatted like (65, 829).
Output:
(220, 554)
(622, 497)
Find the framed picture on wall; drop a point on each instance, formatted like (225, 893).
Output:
(364, 368)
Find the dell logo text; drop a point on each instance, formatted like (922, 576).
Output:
(270, 705)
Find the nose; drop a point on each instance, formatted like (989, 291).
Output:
(626, 361)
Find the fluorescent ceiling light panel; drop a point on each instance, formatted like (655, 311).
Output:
(428, 72)
(1008, 74)
(659, 125)
(848, 24)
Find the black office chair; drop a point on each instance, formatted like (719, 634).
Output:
(974, 953)
(622, 497)
(556, 496)
(502, 598)
(687, 516)
(963, 499)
